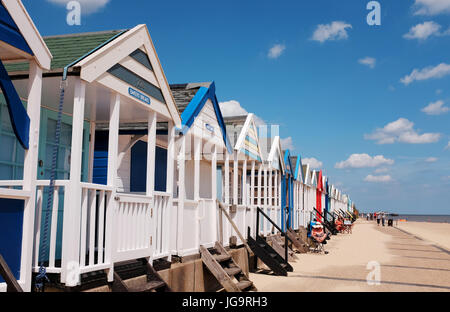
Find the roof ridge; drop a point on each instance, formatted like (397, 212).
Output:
(86, 33)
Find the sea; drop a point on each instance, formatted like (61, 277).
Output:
(424, 218)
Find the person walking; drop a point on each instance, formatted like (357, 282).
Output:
(383, 218)
(378, 219)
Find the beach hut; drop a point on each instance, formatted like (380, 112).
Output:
(298, 192)
(319, 194)
(276, 163)
(287, 192)
(21, 42)
(247, 181)
(309, 194)
(106, 205)
(202, 143)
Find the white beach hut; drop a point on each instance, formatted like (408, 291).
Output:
(20, 41)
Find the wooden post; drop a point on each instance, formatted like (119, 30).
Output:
(197, 156)
(214, 172)
(252, 198)
(181, 192)
(151, 150)
(244, 184)
(227, 177)
(235, 178)
(169, 185)
(252, 185)
(113, 151)
(269, 194)
(72, 217)
(30, 172)
(8, 277)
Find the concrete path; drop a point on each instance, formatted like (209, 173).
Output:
(407, 263)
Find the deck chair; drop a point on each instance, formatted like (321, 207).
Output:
(318, 237)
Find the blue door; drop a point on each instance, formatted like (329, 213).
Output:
(138, 174)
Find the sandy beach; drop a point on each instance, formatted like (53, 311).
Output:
(408, 262)
(437, 233)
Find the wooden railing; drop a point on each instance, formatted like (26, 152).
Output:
(161, 224)
(132, 227)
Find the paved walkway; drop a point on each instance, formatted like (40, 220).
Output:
(407, 263)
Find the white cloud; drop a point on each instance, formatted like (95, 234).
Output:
(87, 6)
(382, 170)
(431, 159)
(232, 108)
(426, 73)
(287, 143)
(276, 51)
(448, 146)
(431, 7)
(378, 179)
(364, 161)
(436, 108)
(423, 31)
(335, 31)
(368, 61)
(313, 162)
(401, 130)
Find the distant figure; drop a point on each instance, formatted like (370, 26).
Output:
(378, 219)
(383, 218)
(367, 217)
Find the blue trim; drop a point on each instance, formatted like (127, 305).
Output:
(10, 33)
(297, 166)
(20, 121)
(250, 154)
(287, 161)
(251, 140)
(196, 105)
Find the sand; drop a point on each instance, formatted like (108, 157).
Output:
(437, 233)
(407, 263)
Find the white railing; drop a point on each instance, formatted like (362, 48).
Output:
(83, 245)
(161, 224)
(194, 223)
(132, 227)
(59, 198)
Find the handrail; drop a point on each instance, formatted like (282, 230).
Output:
(286, 238)
(222, 209)
(11, 282)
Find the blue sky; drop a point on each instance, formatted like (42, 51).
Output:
(370, 103)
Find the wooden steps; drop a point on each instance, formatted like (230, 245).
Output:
(278, 245)
(138, 276)
(299, 244)
(269, 256)
(225, 269)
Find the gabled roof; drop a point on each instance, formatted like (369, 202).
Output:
(248, 141)
(274, 151)
(18, 30)
(313, 178)
(306, 174)
(297, 168)
(66, 49)
(287, 162)
(196, 96)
